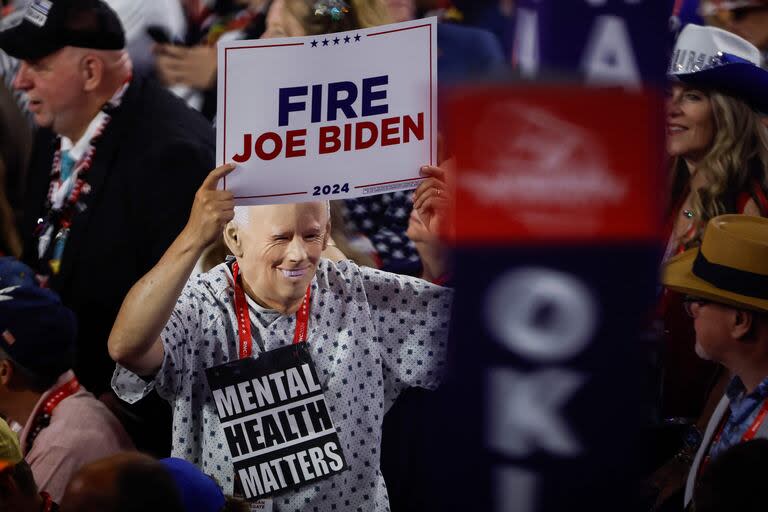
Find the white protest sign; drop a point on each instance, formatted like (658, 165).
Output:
(328, 117)
(278, 425)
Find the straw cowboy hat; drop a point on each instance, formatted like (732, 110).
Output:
(731, 267)
(713, 58)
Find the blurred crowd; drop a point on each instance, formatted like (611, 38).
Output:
(126, 273)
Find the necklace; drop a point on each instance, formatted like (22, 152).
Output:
(62, 210)
(43, 417)
(59, 216)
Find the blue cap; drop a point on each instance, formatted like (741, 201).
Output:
(199, 492)
(36, 330)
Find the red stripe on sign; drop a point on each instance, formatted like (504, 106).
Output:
(556, 163)
(265, 46)
(224, 149)
(431, 124)
(400, 30)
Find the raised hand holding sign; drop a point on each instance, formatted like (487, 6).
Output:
(431, 199)
(212, 208)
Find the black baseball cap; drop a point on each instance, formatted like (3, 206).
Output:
(49, 25)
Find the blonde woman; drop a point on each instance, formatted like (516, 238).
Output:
(715, 135)
(720, 150)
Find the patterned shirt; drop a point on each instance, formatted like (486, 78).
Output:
(743, 409)
(371, 335)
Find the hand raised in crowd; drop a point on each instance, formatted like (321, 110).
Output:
(432, 199)
(191, 66)
(212, 208)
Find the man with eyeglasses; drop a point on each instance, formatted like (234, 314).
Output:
(726, 281)
(747, 18)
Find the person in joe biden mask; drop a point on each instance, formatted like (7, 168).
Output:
(367, 334)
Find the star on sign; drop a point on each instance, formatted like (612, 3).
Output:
(347, 39)
(336, 41)
(357, 38)
(325, 42)
(314, 44)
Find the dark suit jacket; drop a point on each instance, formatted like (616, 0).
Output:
(152, 157)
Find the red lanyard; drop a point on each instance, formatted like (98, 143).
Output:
(43, 416)
(47, 501)
(244, 320)
(748, 435)
(67, 389)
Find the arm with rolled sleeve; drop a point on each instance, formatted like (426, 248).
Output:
(154, 314)
(181, 332)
